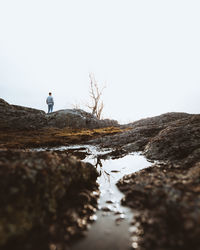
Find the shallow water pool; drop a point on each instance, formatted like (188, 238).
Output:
(111, 228)
(112, 222)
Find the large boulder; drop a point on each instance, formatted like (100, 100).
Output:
(77, 118)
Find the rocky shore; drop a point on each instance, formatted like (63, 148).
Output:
(165, 197)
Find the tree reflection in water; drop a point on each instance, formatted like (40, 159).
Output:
(101, 171)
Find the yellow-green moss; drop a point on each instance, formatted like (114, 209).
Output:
(52, 136)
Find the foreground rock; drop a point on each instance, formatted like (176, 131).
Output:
(167, 200)
(166, 197)
(19, 118)
(47, 199)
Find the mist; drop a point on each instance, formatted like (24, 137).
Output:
(147, 54)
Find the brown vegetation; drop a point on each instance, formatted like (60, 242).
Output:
(52, 136)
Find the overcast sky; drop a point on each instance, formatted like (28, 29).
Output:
(146, 52)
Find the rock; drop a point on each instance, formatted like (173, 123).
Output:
(77, 118)
(40, 190)
(166, 195)
(140, 133)
(168, 204)
(17, 117)
(160, 120)
(178, 140)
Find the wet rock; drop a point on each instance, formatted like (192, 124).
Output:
(166, 196)
(168, 203)
(110, 201)
(107, 208)
(38, 193)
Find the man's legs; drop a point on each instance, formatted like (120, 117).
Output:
(49, 108)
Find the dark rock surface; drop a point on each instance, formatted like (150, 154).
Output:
(167, 200)
(141, 132)
(178, 140)
(166, 196)
(159, 120)
(77, 118)
(46, 198)
(18, 117)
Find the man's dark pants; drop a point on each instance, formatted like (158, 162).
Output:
(50, 108)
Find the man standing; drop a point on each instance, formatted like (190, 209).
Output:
(50, 103)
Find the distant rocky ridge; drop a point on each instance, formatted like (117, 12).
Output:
(19, 117)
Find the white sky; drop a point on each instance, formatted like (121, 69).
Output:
(146, 51)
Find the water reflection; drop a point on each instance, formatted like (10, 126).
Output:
(113, 219)
(112, 227)
(101, 170)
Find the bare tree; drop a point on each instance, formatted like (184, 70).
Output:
(95, 94)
